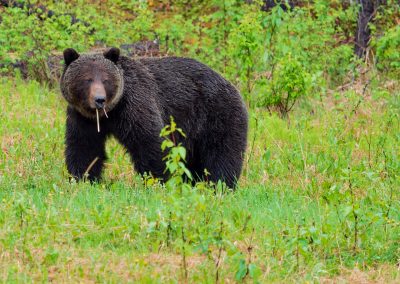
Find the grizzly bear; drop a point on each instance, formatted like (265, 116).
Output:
(133, 99)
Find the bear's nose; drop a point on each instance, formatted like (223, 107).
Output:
(99, 101)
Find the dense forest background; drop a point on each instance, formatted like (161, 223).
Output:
(318, 199)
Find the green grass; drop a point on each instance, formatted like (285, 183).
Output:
(318, 200)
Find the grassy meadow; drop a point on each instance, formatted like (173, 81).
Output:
(318, 200)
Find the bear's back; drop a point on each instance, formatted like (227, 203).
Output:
(194, 94)
(177, 70)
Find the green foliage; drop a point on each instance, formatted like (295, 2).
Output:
(387, 51)
(245, 48)
(289, 83)
(31, 36)
(317, 200)
(238, 39)
(175, 159)
(184, 231)
(174, 33)
(33, 39)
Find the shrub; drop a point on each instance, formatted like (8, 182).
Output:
(289, 83)
(387, 51)
(32, 39)
(245, 46)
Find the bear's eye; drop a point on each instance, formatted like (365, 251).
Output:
(89, 80)
(105, 81)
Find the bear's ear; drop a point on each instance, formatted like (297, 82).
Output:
(70, 55)
(112, 54)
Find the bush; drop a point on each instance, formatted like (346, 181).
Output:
(387, 51)
(32, 38)
(290, 83)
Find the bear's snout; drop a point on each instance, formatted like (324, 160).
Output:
(97, 95)
(99, 102)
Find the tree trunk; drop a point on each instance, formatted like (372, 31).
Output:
(366, 14)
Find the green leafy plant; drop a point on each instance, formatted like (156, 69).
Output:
(245, 46)
(290, 82)
(387, 51)
(183, 198)
(33, 39)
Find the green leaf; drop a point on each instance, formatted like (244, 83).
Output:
(347, 210)
(242, 270)
(254, 271)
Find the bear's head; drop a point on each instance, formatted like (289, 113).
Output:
(92, 81)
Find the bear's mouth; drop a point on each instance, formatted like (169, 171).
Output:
(94, 113)
(92, 109)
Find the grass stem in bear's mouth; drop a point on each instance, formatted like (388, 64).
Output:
(105, 113)
(98, 121)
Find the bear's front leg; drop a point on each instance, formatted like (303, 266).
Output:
(85, 147)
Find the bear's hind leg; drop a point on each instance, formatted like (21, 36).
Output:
(224, 165)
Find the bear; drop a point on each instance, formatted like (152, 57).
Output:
(133, 100)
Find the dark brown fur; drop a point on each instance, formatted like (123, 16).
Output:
(207, 107)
